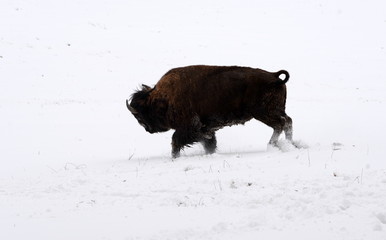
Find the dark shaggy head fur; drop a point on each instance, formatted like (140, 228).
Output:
(148, 112)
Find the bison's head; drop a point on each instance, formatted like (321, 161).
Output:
(149, 113)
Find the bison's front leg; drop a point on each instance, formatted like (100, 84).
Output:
(181, 138)
(210, 143)
(176, 145)
(191, 132)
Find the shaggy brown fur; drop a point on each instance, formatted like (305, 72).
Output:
(196, 101)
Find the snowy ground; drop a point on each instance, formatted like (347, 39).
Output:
(76, 165)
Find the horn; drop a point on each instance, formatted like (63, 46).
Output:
(131, 109)
(145, 87)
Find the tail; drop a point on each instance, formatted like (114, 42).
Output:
(277, 74)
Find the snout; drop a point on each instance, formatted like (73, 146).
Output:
(146, 127)
(149, 129)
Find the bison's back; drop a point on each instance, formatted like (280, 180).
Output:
(215, 92)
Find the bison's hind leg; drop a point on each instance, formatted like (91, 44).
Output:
(280, 122)
(209, 142)
(288, 128)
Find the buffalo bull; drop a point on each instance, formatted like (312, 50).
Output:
(197, 101)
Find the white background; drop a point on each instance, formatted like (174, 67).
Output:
(75, 164)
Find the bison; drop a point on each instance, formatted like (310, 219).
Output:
(197, 101)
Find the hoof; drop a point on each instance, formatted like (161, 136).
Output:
(176, 155)
(210, 150)
(273, 144)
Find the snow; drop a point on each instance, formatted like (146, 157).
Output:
(75, 164)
